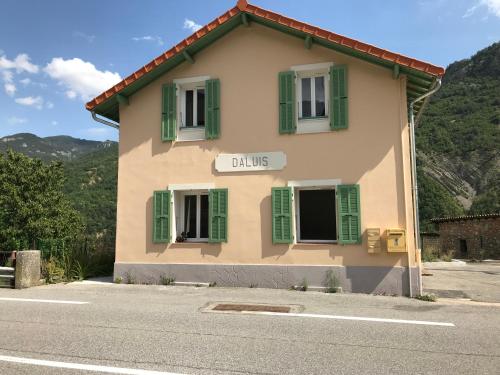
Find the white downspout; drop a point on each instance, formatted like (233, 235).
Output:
(414, 179)
(105, 122)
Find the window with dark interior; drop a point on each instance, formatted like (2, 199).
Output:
(195, 216)
(194, 107)
(316, 219)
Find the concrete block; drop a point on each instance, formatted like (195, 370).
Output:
(27, 269)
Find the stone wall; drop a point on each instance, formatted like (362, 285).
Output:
(477, 238)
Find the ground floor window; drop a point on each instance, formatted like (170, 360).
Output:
(316, 215)
(193, 216)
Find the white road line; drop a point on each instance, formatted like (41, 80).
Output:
(43, 301)
(341, 317)
(80, 366)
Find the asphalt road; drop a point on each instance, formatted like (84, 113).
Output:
(476, 281)
(164, 329)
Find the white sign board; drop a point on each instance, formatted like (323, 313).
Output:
(259, 161)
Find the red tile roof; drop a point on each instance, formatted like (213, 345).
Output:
(243, 6)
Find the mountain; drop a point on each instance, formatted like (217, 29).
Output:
(458, 140)
(62, 147)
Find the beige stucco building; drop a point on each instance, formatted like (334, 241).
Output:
(262, 151)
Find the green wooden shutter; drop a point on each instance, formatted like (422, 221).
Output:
(169, 113)
(282, 214)
(338, 98)
(161, 216)
(212, 109)
(217, 217)
(287, 102)
(349, 214)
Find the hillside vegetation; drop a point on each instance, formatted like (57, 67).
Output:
(458, 140)
(90, 169)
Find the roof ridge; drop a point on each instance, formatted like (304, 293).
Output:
(243, 6)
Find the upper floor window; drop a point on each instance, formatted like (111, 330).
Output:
(312, 93)
(193, 106)
(312, 96)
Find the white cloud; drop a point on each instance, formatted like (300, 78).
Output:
(7, 76)
(81, 78)
(10, 89)
(21, 64)
(148, 38)
(13, 120)
(191, 25)
(31, 101)
(25, 81)
(71, 94)
(87, 37)
(54, 123)
(493, 6)
(49, 105)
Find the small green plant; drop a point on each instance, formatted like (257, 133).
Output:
(129, 278)
(53, 271)
(212, 284)
(429, 257)
(331, 282)
(167, 280)
(304, 285)
(80, 271)
(447, 257)
(427, 297)
(118, 280)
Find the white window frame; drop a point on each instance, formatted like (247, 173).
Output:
(177, 222)
(298, 185)
(195, 132)
(198, 194)
(313, 124)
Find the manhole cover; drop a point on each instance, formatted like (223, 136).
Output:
(250, 307)
(244, 307)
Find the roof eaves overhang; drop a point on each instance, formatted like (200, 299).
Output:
(421, 76)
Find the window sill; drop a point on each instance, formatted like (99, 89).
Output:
(313, 125)
(316, 242)
(195, 133)
(190, 242)
(318, 118)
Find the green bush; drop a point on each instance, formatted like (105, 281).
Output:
(53, 271)
(331, 282)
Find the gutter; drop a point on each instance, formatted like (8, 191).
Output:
(436, 87)
(105, 122)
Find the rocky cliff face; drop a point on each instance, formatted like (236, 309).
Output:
(458, 138)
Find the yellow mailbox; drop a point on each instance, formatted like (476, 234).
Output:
(396, 240)
(373, 236)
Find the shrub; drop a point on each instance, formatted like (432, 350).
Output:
(427, 297)
(331, 282)
(447, 257)
(304, 286)
(52, 271)
(167, 280)
(130, 278)
(118, 280)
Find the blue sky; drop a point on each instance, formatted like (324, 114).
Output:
(55, 55)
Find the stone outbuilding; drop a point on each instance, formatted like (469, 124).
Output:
(473, 236)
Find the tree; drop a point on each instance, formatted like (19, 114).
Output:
(32, 203)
